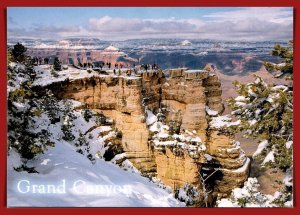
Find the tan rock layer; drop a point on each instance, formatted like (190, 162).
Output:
(184, 95)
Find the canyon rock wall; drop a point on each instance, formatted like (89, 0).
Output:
(121, 100)
(183, 97)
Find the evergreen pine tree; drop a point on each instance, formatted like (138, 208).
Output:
(9, 56)
(18, 52)
(68, 123)
(87, 114)
(50, 104)
(285, 68)
(81, 143)
(266, 113)
(83, 147)
(56, 64)
(46, 60)
(23, 107)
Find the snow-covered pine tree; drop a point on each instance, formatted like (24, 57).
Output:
(50, 104)
(81, 143)
(101, 119)
(249, 196)
(187, 194)
(83, 147)
(285, 68)
(68, 124)
(266, 113)
(87, 113)
(23, 107)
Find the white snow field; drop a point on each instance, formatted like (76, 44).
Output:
(68, 179)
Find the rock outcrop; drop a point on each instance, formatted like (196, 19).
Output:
(166, 122)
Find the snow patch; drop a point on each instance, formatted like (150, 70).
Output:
(262, 145)
(211, 112)
(223, 121)
(240, 99)
(288, 144)
(208, 157)
(269, 158)
(151, 118)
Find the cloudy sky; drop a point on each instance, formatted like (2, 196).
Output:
(116, 23)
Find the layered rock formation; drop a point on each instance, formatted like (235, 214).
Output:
(165, 119)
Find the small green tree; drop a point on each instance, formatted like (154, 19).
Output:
(287, 59)
(56, 64)
(81, 143)
(50, 104)
(83, 147)
(101, 119)
(68, 124)
(87, 114)
(18, 52)
(9, 56)
(46, 60)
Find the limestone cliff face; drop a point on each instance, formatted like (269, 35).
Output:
(176, 171)
(120, 99)
(182, 98)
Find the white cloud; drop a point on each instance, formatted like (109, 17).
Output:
(161, 26)
(271, 14)
(242, 24)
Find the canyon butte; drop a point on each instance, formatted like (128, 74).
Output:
(170, 126)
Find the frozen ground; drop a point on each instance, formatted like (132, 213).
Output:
(102, 184)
